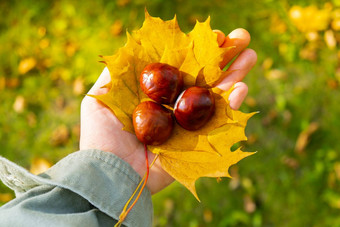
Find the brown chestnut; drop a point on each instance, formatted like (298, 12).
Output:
(194, 107)
(152, 122)
(161, 82)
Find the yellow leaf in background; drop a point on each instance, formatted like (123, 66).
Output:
(26, 65)
(310, 18)
(19, 104)
(122, 3)
(44, 43)
(116, 28)
(186, 155)
(78, 86)
(39, 165)
(41, 31)
(207, 215)
(336, 24)
(275, 74)
(2, 83)
(304, 137)
(330, 39)
(5, 197)
(12, 82)
(277, 25)
(249, 204)
(336, 19)
(60, 136)
(312, 36)
(71, 48)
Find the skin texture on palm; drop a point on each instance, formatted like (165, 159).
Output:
(100, 129)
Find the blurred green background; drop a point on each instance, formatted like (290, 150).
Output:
(49, 59)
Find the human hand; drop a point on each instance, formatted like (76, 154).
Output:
(100, 129)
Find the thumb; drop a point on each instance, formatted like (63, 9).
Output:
(103, 79)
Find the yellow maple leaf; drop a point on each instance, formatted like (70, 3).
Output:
(186, 155)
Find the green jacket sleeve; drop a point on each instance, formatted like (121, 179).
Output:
(86, 188)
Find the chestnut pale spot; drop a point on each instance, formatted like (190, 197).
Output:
(152, 122)
(194, 108)
(161, 82)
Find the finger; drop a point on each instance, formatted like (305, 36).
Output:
(220, 37)
(237, 96)
(239, 39)
(240, 68)
(103, 79)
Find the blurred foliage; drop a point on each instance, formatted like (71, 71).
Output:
(49, 59)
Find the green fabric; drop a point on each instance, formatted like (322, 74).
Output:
(86, 188)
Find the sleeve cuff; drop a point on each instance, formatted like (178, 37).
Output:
(102, 178)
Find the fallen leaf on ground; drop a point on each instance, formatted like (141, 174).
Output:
(5, 197)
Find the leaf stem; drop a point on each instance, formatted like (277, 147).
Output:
(139, 188)
(146, 179)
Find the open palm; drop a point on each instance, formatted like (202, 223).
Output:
(100, 129)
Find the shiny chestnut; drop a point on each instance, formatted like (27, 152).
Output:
(152, 122)
(161, 82)
(194, 107)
